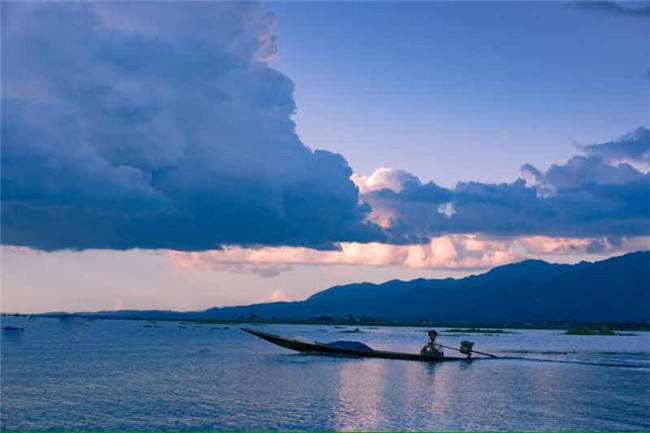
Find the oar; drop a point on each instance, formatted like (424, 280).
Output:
(473, 351)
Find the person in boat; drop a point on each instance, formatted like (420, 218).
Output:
(432, 348)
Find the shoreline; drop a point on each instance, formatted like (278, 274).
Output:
(475, 328)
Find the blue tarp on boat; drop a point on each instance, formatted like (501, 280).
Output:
(350, 345)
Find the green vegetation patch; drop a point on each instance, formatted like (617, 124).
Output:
(603, 330)
(352, 331)
(478, 331)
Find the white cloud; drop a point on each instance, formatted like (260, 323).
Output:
(276, 296)
(384, 178)
(447, 209)
(118, 305)
(457, 252)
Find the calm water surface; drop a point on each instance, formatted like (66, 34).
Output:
(131, 375)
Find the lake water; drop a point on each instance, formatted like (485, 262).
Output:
(131, 375)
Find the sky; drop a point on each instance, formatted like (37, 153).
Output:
(469, 90)
(184, 156)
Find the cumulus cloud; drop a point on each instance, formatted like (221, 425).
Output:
(276, 296)
(581, 171)
(632, 148)
(385, 178)
(592, 195)
(159, 125)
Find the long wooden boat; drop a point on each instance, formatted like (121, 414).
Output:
(325, 349)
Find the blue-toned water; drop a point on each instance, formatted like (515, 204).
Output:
(131, 375)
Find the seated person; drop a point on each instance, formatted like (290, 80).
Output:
(432, 349)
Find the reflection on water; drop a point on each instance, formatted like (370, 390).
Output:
(123, 375)
(361, 395)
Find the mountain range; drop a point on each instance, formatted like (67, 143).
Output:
(532, 292)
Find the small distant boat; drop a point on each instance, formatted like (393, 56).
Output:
(13, 328)
(346, 348)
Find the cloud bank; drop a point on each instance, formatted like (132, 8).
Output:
(159, 125)
(604, 193)
(457, 252)
(446, 252)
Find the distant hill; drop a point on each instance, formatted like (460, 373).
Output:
(532, 292)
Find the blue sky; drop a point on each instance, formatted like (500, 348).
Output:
(161, 155)
(463, 91)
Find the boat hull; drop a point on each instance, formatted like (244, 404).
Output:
(322, 349)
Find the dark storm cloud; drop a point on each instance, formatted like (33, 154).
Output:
(159, 125)
(616, 8)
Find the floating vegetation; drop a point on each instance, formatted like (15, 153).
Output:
(352, 331)
(540, 352)
(478, 331)
(600, 331)
(574, 352)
